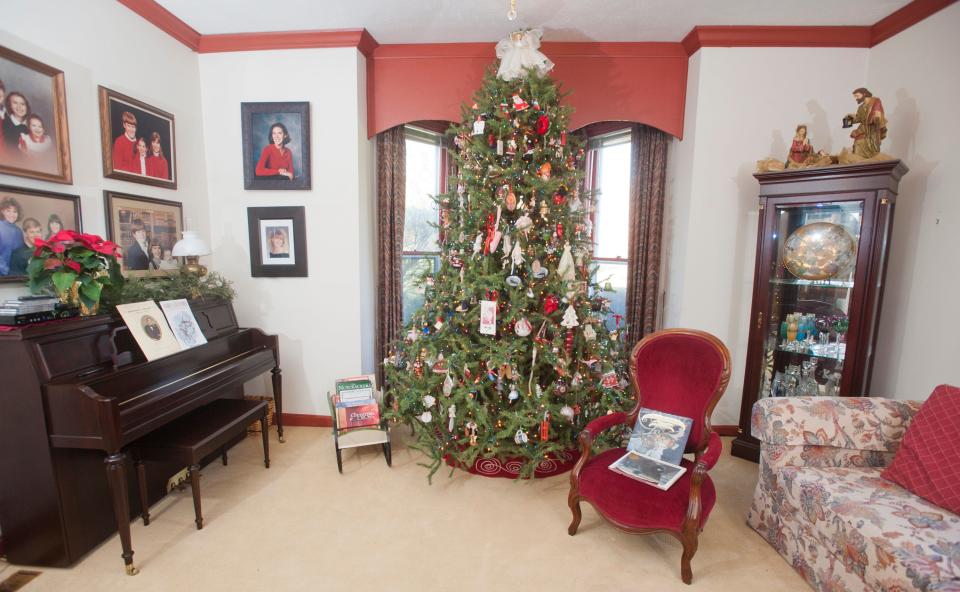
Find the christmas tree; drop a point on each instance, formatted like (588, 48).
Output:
(510, 356)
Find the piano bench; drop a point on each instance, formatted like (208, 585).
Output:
(189, 439)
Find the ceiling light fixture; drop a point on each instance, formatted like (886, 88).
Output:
(512, 13)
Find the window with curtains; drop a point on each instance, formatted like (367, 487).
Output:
(421, 249)
(610, 178)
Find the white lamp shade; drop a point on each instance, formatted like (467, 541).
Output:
(190, 245)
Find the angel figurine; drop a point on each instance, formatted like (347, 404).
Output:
(521, 52)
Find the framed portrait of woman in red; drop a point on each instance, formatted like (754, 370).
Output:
(139, 143)
(34, 141)
(276, 145)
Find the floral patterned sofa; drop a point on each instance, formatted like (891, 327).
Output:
(821, 503)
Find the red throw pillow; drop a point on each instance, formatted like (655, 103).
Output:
(926, 464)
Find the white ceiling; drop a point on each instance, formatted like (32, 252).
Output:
(450, 21)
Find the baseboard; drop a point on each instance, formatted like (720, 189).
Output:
(307, 420)
(726, 430)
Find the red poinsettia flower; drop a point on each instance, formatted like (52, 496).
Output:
(72, 265)
(89, 240)
(52, 263)
(63, 235)
(57, 247)
(103, 247)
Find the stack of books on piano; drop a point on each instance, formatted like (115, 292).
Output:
(34, 309)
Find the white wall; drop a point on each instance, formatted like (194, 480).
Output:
(323, 319)
(101, 42)
(916, 75)
(743, 104)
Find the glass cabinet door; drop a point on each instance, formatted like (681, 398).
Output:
(810, 282)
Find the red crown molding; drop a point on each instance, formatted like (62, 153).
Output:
(165, 20)
(307, 420)
(358, 38)
(775, 37)
(905, 18)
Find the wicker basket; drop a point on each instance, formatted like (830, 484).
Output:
(271, 413)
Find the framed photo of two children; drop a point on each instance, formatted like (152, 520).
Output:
(34, 141)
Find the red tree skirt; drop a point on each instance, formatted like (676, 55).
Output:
(554, 464)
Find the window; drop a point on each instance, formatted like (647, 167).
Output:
(421, 249)
(611, 180)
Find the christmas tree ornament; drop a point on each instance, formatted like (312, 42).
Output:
(439, 324)
(514, 281)
(479, 125)
(440, 367)
(566, 269)
(558, 199)
(576, 381)
(451, 415)
(426, 417)
(575, 205)
(455, 260)
(567, 412)
(447, 385)
(471, 429)
(412, 336)
(428, 401)
(523, 224)
(418, 367)
(511, 147)
(560, 388)
(511, 201)
(523, 327)
(539, 271)
(545, 427)
(550, 304)
(568, 343)
(488, 317)
(589, 333)
(539, 391)
(518, 103)
(514, 395)
(543, 125)
(563, 138)
(520, 437)
(544, 171)
(477, 245)
(520, 53)
(559, 231)
(609, 380)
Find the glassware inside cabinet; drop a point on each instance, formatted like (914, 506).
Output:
(811, 281)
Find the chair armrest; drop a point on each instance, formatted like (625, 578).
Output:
(858, 423)
(712, 454)
(603, 423)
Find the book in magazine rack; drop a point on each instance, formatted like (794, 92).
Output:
(354, 437)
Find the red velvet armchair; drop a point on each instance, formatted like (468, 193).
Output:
(679, 371)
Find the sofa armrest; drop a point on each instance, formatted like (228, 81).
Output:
(830, 431)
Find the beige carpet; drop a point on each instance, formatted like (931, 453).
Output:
(302, 526)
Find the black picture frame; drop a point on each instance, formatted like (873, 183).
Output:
(41, 206)
(257, 121)
(289, 258)
(162, 220)
(149, 121)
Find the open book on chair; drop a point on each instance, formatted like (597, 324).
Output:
(655, 449)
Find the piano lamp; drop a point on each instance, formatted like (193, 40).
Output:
(192, 247)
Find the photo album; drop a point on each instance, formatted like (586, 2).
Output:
(655, 449)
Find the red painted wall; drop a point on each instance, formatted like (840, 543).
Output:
(642, 82)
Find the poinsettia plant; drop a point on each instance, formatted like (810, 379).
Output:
(71, 258)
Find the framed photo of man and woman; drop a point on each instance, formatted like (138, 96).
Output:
(34, 139)
(146, 230)
(26, 215)
(139, 143)
(276, 145)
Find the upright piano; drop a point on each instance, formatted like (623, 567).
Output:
(73, 394)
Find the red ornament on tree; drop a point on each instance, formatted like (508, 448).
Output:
(550, 304)
(568, 342)
(560, 230)
(545, 427)
(543, 125)
(558, 199)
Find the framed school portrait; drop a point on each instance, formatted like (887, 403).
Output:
(146, 229)
(34, 141)
(28, 214)
(278, 242)
(139, 142)
(276, 145)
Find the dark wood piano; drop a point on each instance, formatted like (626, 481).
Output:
(73, 395)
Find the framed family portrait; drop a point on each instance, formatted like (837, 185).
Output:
(139, 143)
(278, 242)
(276, 145)
(28, 214)
(146, 229)
(34, 140)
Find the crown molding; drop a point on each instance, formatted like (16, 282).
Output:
(905, 18)
(165, 20)
(775, 37)
(358, 38)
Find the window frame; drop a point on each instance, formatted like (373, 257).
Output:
(593, 174)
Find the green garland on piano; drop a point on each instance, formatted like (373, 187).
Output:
(212, 286)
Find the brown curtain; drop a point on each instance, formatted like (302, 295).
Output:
(391, 183)
(648, 168)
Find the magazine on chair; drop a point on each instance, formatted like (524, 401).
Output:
(655, 448)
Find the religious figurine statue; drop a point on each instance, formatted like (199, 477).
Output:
(873, 124)
(800, 148)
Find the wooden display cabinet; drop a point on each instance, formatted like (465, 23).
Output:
(813, 330)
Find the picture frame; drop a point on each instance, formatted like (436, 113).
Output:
(150, 157)
(278, 241)
(266, 166)
(160, 220)
(43, 207)
(42, 98)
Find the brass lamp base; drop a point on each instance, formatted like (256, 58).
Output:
(193, 266)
